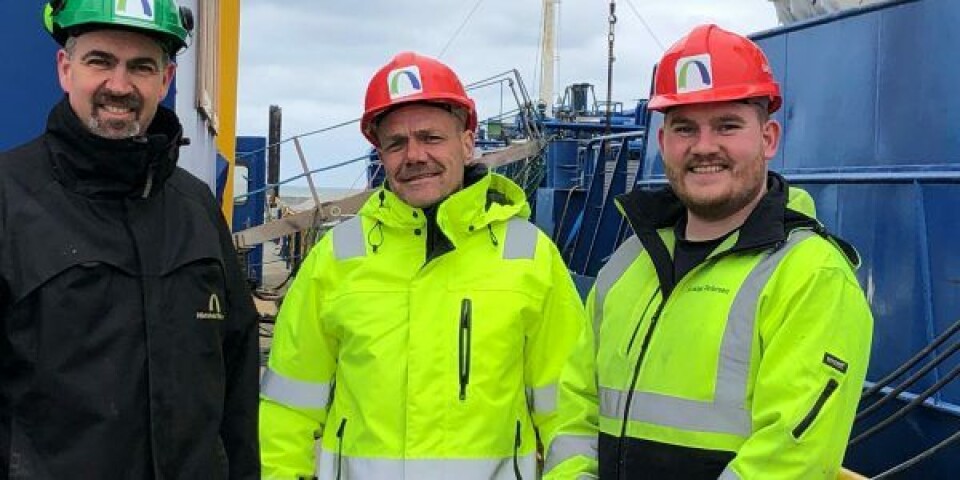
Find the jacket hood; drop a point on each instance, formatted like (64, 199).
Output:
(92, 165)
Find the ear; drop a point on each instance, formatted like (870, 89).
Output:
(168, 73)
(63, 70)
(771, 139)
(468, 139)
(660, 139)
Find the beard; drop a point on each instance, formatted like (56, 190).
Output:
(115, 129)
(747, 186)
(715, 209)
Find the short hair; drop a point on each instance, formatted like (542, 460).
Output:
(761, 105)
(461, 114)
(71, 44)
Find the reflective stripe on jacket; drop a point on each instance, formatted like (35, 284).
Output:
(750, 366)
(414, 365)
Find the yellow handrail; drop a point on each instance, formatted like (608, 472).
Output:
(849, 475)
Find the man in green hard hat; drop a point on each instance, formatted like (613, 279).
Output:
(128, 339)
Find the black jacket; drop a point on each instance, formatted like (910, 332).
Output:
(128, 338)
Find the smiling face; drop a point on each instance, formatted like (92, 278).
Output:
(115, 80)
(715, 156)
(424, 149)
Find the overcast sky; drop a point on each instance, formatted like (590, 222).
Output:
(314, 58)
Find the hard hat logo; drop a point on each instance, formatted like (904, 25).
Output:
(694, 73)
(140, 9)
(404, 82)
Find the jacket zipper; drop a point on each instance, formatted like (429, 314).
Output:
(466, 320)
(154, 445)
(621, 453)
(640, 322)
(343, 426)
(516, 450)
(804, 424)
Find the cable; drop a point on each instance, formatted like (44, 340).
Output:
(912, 361)
(644, 22)
(537, 61)
(299, 135)
(463, 24)
(316, 170)
(920, 457)
(909, 381)
(910, 406)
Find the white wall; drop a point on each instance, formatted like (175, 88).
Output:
(200, 157)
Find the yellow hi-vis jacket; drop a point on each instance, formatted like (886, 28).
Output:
(416, 364)
(748, 367)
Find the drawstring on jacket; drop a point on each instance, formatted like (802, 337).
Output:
(375, 245)
(493, 236)
(378, 227)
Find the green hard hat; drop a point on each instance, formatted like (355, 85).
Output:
(161, 19)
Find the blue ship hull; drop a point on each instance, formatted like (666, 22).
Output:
(872, 131)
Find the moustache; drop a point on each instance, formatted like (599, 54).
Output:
(130, 101)
(411, 171)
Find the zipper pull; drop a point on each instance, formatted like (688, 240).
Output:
(517, 438)
(148, 186)
(516, 453)
(466, 319)
(340, 429)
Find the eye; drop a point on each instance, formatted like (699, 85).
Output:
(393, 146)
(98, 62)
(728, 127)
(683, 130)
(144, 69)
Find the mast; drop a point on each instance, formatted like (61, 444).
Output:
(548, 52)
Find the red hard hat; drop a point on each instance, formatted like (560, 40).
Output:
(408, 78)
(711, 64)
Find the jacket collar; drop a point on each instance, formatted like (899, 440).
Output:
(486, 197)
(654, 214)
(768, 224)
(92, 165)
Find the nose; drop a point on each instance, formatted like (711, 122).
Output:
(118, 82)
(416, 150)
(705, 143)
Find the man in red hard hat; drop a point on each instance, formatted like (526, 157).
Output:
(731, 337)
(424, 337)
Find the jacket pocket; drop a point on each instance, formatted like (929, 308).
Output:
(809, 418)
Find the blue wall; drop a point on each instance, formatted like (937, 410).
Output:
(29, 79)
(29, 85)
